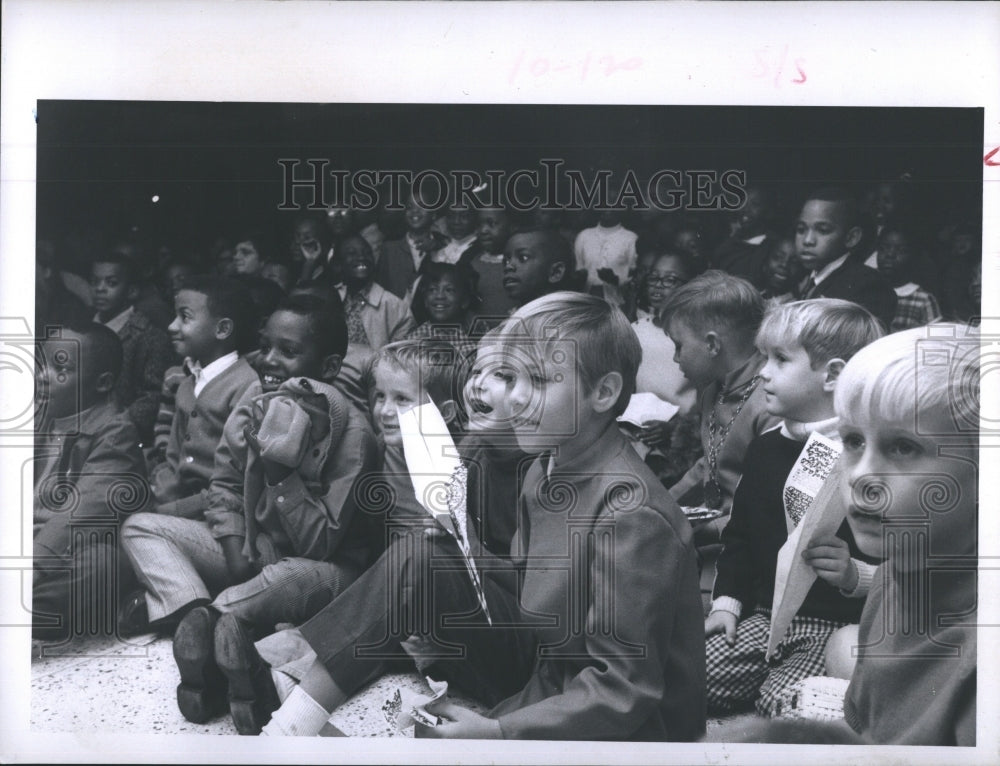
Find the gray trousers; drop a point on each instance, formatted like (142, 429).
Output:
(178, 561)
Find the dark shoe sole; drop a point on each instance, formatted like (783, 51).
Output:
(252, 696)
(201, 694)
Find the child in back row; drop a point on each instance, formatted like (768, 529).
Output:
(146, 352)
(806, 345)
(628, 663)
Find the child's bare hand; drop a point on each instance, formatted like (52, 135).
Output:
(722, 622)
(459, 723)
(656, 433)
(831, 559)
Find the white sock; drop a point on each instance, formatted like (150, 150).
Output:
(283, 683)
(299, 716)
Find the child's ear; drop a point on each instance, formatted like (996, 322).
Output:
(105, 382)
(448, 410)
(713, 342)
(331, 367)
(607, 390)
(556, 273)
(833, 368)
(853, 237)
(224, 328)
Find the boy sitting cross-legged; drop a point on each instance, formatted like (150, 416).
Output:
(806, 344)
(277, 540)
(595, 530)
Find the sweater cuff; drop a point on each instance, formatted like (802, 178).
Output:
(866, 575)
(728, 604)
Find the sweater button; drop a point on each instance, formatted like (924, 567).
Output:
(281, 498)
(189, 459)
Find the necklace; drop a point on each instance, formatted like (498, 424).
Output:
(713, 490)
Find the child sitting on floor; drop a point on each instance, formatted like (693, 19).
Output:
(628, 664)
(806, 344)
(89, 473)
(215, 322)
(911, 453)
(277, 539)
(712, 321)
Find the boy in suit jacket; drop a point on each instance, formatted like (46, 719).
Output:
(825, 234)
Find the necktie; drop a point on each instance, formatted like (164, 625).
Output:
(808, 288)
(355, 327)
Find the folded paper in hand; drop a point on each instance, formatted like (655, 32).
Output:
(439, 480)
(646, 407)
(408, 707)
(812, 493)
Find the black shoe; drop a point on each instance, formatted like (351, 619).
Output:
(201, 694)
(133, 615)
(252, 696)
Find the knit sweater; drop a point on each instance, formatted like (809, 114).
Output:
(757, 530)
(194, 436)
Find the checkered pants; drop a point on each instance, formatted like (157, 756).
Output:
(740, 675)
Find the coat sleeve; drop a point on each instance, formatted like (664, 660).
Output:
(225, 499)
(630, 624)
(734, 575)
(155, 356)
(110, 485)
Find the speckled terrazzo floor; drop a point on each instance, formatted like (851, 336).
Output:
(109, 686)
(99, 684)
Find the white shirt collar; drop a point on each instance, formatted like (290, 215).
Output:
(204, 375)
(832, 266)
(756, 240)
(906, 290)
(118, 322)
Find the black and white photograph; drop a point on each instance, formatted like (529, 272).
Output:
(480, 391)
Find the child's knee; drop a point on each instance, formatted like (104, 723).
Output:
(839, 660)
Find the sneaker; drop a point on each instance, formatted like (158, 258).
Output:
(201, 694)
(133, 615)
(252, 696)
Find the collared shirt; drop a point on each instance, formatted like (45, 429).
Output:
(756, 240)
(818, 276)
(451, 252)
(415, 252)
(118, 322)
(204, 375)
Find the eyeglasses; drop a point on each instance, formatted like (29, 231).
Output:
(670, 280)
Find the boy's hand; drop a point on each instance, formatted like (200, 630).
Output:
(607, 275)
(656, 433)
(239, 566)
(459, 723)
(831, 558)
(722, 622)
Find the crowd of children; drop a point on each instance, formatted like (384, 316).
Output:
(222, 451)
